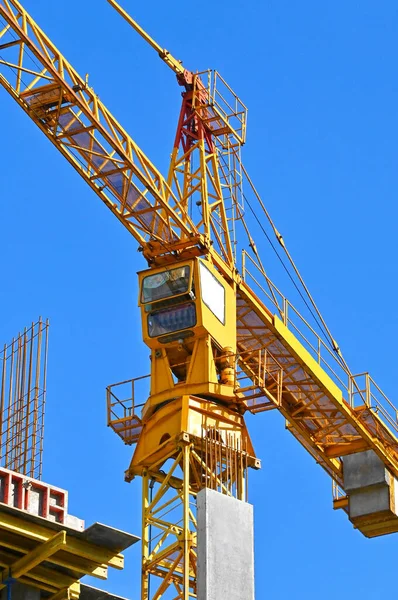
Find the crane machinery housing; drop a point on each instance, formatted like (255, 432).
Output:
(223, 339)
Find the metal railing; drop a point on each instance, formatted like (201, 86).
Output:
(364, 387)
(340, 498)
(226, 105)
(357, 389)
(123, 411)
(257, 382)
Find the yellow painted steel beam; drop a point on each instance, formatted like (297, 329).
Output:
(340, 503)
(164, 54)
(142, 199)
(336, 450)
(64, 594)
(35, 557)
(95, 553)
(376, 529)
(305, 358)
(79, 548)
(76, 565)
(39, 575)
(334, 393)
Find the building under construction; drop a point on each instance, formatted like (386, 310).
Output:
(224, 342)
(44, 550)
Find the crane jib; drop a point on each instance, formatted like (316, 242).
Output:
(70, 114)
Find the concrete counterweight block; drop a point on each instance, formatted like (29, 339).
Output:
(225, 547)
(372, 494)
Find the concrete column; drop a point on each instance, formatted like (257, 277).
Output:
(225, 547)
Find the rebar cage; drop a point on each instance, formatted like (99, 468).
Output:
(23, 368)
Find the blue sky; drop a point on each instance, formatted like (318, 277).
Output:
(320, 83)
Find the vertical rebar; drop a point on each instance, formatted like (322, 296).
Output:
(2, 396)
(9, 404)
(22, 401)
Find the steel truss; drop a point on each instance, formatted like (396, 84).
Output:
(169, 542)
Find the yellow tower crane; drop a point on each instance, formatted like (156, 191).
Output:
(223, 340)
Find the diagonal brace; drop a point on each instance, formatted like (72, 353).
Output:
(35, 557)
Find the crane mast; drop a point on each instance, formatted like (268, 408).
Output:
(220, 342)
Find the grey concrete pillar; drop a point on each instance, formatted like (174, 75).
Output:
(225, 547)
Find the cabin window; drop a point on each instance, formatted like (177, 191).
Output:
(175, 318)
(166, 284)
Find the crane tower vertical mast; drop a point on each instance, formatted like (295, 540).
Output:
(191, 420)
